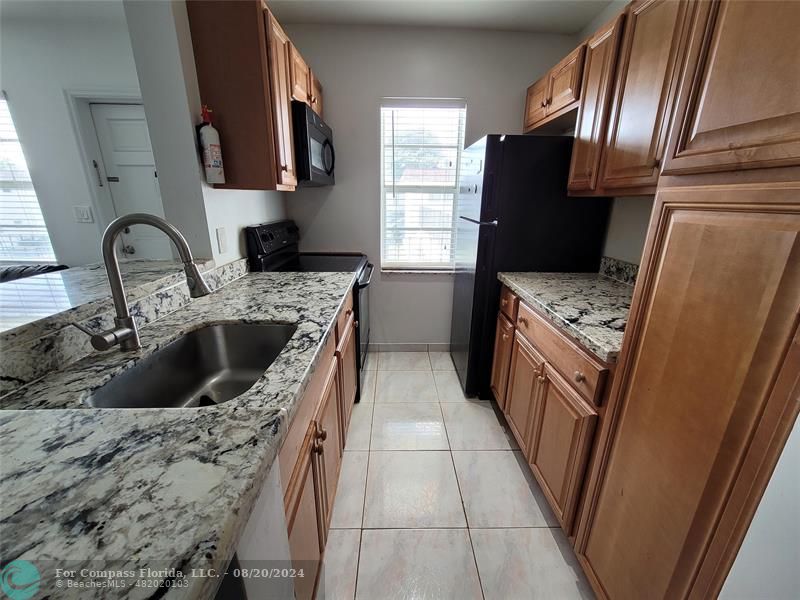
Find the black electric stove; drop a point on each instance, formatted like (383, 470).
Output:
(274, 247)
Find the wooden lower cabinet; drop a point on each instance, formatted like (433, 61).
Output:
(501, 362)
(329, 441)
(303, 517)
(561, 434)
(524, 385)
(705, 396)
(348, 370)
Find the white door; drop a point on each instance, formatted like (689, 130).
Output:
(131, 174)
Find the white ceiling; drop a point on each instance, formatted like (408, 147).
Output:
(540, 16)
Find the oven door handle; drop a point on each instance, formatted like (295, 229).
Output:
(371, 268)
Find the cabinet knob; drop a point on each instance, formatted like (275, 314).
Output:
(544, 103)
(355, 324)
(505, 336)
(579, 377)
(523, 321)
(322, 434)
(540, 378)
(284, 168)
(504, 301)
(316, 447)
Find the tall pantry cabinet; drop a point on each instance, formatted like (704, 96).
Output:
(708, 385)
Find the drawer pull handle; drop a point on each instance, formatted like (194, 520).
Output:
(523, 321)
(579, 377)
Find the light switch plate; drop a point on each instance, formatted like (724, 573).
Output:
(83, 214)
(222, 240)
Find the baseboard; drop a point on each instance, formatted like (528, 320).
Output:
(407, 347)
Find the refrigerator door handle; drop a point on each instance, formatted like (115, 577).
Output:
(493, 223)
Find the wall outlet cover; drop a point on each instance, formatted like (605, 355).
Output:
(83, 214)
(222, 240)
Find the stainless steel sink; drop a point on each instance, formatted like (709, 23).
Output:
(206, 366)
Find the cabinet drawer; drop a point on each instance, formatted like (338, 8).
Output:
(586, 374)
(509, 303)
(344, 315)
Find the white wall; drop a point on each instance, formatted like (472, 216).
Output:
(627, 228)
(39, 60)
(360, 65)
(768, 564)
(162, 46)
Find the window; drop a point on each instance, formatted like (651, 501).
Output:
(421, 142)
(23, 235)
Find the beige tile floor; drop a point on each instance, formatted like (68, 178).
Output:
(435, 500)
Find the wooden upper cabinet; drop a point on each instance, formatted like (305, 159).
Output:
(561, 434)
(707, 391)
(739, 100)
(643, 96)
(524, 384)
(535, 103)
(501, 362)
(599, 66)
(300, 76)
(316, 94)
(564, 81)
(556, 93)
(280, 61)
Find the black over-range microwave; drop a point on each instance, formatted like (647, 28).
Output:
(313, 147)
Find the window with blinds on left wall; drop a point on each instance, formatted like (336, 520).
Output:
(421, 143)
(23, 234)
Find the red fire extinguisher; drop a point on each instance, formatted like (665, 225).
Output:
(212, 151)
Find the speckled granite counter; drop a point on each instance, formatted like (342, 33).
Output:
(36, 305)
(590, 308)
(159, 488)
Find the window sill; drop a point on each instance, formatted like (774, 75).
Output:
(417, 271)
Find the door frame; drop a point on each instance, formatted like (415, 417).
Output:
(78, 106)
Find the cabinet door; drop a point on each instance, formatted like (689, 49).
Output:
(329, 439)
(300, 76)
(503, 344)
(348, 371)
(316, 95)
(523, 389)
(739, 102)
(561, 437)
(304, 518)
(598, 80)
(703, 372)
(279, 49)
(535, 104)
(643, 94)
(564, 81)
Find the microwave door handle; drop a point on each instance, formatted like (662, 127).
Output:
(328, 143)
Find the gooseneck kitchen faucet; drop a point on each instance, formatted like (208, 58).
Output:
(124, 331)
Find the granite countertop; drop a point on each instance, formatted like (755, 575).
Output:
(590, 308)
(35, 305)
(157, 488)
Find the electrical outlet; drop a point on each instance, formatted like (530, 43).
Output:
(83, 214)
(222, 240)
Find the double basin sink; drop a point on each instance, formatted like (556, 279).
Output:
(204, 367)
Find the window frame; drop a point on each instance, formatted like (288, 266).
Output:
(416, 267)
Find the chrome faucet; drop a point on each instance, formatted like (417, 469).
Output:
(125, 332)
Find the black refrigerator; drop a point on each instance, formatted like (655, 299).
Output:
(513, 214)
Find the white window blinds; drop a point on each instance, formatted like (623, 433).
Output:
(23, 235)
(421, 142)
